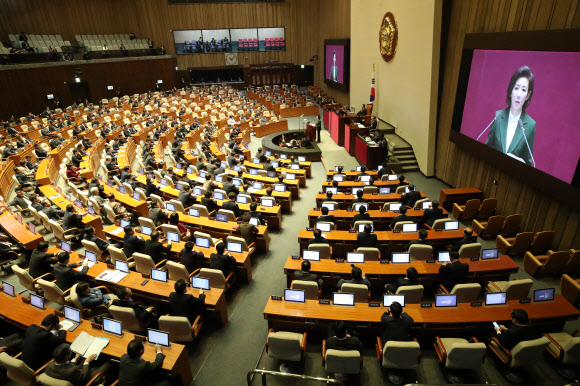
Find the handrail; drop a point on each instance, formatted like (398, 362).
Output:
(288, 375)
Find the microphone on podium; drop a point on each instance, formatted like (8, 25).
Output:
(497, 114)
(521, 126)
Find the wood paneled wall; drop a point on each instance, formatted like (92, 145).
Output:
(461, 169)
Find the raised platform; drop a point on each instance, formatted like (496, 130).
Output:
(269, 142)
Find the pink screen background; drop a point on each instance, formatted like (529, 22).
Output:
(339, 62)
(555, 104)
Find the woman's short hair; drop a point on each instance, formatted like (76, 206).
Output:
(522, 72)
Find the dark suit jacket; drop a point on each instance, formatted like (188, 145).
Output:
(38, 345)
(132, 244)
(430, 215)
(156, 250)
(67, 276)
(71, 220)
(233, 206)
(393, 287)
(138, 371)
(305, 276)
(515, 334)
(186, 305)
(453, 273)
(151, 189)
(210, 204)
(396, 329)
(100, 243)
(411, 198)
(259, 216)
(347, 344)
(314, 240)
(186, 198)
(498, 133)
(224, 263)
(401, 217)
(361, 217)
(78, 375)
(140, 312)
(463, 241)
(422, 242)
(40, 263)
(327, 218)
(364, 240)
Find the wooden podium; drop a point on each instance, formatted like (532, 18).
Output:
(310, 132)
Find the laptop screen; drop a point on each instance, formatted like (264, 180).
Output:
(254, 172)
(489, 254)
(112, 326)
(445, 300)
(297, 296)
(283, 156)
(8, 289)
(271, 174)
(451, 225)
(37, 301)
(91, 256)
(290, 176)
(426, 205)
(202, 242)
(197, 191)
(365, 178)
(257, 185)
(323, 226)
(407, 189)
(394, 207)
(124, 223)
(65, 246)
(359, 204)
(200, 283)
(332, 189)
(256, 160)
(400, 258)
(136, 196)
(329, 205)
(218, 195)
(384, 190)
(279, 188)
(275, 164)
(234, 246)
(146, 230)
(122, 266)
(172, 236)
(242, 199)
(254, 221)
(343, 299)
(223, 164)
(355, 257)
(202, 173)
(311, 255)
(122, 189)
(358, 168)
(219, 179)
(443, 257)
(158, 337)
(236, 181)
(361, 228)
(79, 204)
(268, 153)
(159, 275)
(91, 211)
(72, 314)
(301, 159)
(389, 299)
(393, 177)
(495, 298)
(163, 182)
(269, 203)
(189, 170)
(337, 169)
(221, 217)
(544, 295)
(407, 228)
(295, 167)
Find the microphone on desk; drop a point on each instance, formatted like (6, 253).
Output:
(521, 126)
(497, 114)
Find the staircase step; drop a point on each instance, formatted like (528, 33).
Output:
(410, 168)
(410, 157)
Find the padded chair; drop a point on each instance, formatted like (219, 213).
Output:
(459, 354)
(466, 293)
(399, 225)
(118, 254)
(515, 289)
(467, 211)
(541, 242)
(60, 234)
(487, 208)
(325, 250)
(514, 246)
(92, 247)
(179, 328)
(419, 203)
(341, 361)
(565, 348)
(397, 356)
(171, 228)
(440, 224)
(361, 222)
(370, 189)
(110, 214)
(217, 278)
(212, 241)
(361, 292)
(127, 317)
(53, 293)
(177, 271)
(371, 253)
(229, 213)
(311, 290)
(511, 225)
(332, 226)
(144, 263)
(570, 289)
(573, 265)
(25, 279)
(470, 250)
(286, 346)
(93, 312)
(420, 252)
(245, 247)
(17, 370)
(413, 293)
(551, 264)
(401, 189)
(488, 229)
(524, 354)
(145, 221)
(178, 205)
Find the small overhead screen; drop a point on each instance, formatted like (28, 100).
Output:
(389, 299)
(343, 299)
(495, 298)
(337, 63)
(445, 300)
(296, 296)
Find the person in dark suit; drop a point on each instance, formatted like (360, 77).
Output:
(401, 217)
(422, 240)
(362, 215)
(325, 216)
(468, 238)
(305, 274)
(362, 111)
(76, 158)
(51, 212)
(267, 165)
(221, 261)
(151, 188)
(232, 205)
(158, 216)
(363, 172)
(66, 274)
(412, 278)
(146, 315)
(357, 277)
(318, 239)
(72, 371)
(507, 134)
(229, 187)
(341, 340)
(410, 198)
(374, 123)
(89, 235)
(8, 151)
(397, 325)
(400, 183)
(209, 202)
(366, 238)
(133, 370)
(453, 272)
(255, 214)
(71, 220)
(39, 341)
(318, 127)
(185, 197)
(359, 198)
(432, 214)
(189, 257)
(184, 304)
(155, 249)
(132, 243)
(517, 332)
(40, 261)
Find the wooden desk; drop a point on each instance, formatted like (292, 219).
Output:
(23, 315)
(376, 200)
(449, 197)
(59, 153)
(43, 173)
(271, 128)
(129, 202)
(301, 174)
(351, 130)
(312, 316)
(19, 232)
(298, 111)
(370, 156)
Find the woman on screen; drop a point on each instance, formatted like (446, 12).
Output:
(507, 134)
(333, 69)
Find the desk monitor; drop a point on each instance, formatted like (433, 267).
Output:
(394, 207)
(495, 298)
(254, 172)
(354, 191)
(400, 258)
(358, 168)
(141, 171)
(19, 218)
(290, 176)
(544, 295)
(365, 178)
(264, 201)
(279, 188)
(268, 153)
(178, 166)
(283, 156)
(311, 255)
(254, 221)
(67, 196)
(489, 254)
(242, 199)
(237, 168)
(445, 300)
(443, 257)
(256, 160)
(112, 326)
(221, 217)
(332, 189)
(194, 212)
(329, 205)
(91, 211)
(301, 158)
(451, 225)
(219, 179)
(393, 177)
(257, 185)
(338, 177)
(361, 228)
(271, 174)
(122, 266)
(121, 190)
(37, 301)
(179, 187)
(202, 242)
(146, 230)
(275, 164)
(202, 173)
(65, 246)
(295, 167)
(189, 170)
(91, 256)
(218, 195)
(323, 226)
(355, 257)
(173, 237)
(200, 283)
(136, 196)
(223, 165)
(235, 181)
(384, 190)
(297, 296)
(31, 228)
(389, 299)
(197, 191)
(79, 204)
(163, 182)
(343, 299)
(409, 228)
(8, 289)
(337, 169)
(359, 204)
(159, 275)
(72, 314)
(234, 246)
(125, 223)
(426, 205)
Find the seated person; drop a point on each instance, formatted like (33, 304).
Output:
(158, 216)
(363, 172)
(357, 277)
(453, 272)
(325, 216)
(73, 173)
(366, 238)
(89, 235)
(185, 197)
(328, 197)
(468, 238)
(40, 341)
(52, 212)
(410, 198)
(359, 198)
(400, 183)
(248, 231)
(221, 261)
(189, 257)
(66, 274)
(397, 325)
(73, 371)
(305, 274)
(20, 200)
(318, 239)
(71, 220)
(209, 202)
(40, 261)
(341, 340)
(412, 278)
(432, 214)
(401, 217)
(422, 240)
(255, 214)
(91, 297)
(362, 215)
(174, 220)
(232, 205)
(146, 315)
(184, 304)
(517, 332)
(154, 247)
(133, 370)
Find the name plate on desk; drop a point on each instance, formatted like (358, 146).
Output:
(476, 304)
(352, 231)
(309, 229)
(295, 257)
(525, 301)
(438, 230)
(145, 276)
(349, 209)
(375, 194)
(274, 297)
(59, 313)
(430, 261)
(426, 305)
(25, 300)
(110, 266)
(315, 209)
(397, 231)
(474, 259)
(374, 304)
(384, 261)
(324, 302)
(339, 260)
(96, 326)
